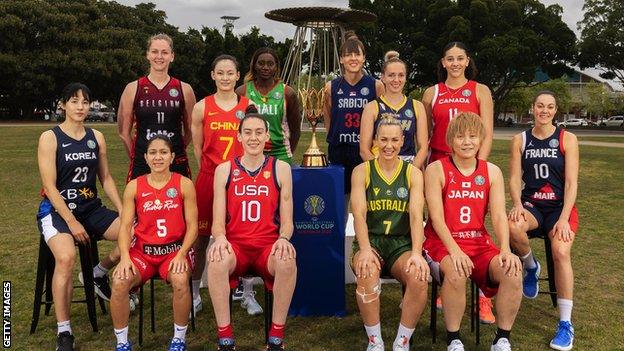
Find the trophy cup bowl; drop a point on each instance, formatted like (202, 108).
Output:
(312, 105)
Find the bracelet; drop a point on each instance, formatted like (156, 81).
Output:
(283, 237)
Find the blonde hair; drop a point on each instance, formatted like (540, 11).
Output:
(462, 123)
(160, 36)
(389, 121)
(392, 56)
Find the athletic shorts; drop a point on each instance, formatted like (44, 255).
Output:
(388, 249)
(435, 155)
(480, 250)
(251, 261)
(180, 165)
(347, 156)
(95, 218)
(148, 265)
(547, 217)
(204, 187)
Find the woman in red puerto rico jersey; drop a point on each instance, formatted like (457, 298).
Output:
(214, 126)
(546, 159)
(165, 208)
(460, 189)
(252, 227)
(457, 92)
(156, 104)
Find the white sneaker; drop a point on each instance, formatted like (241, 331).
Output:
(375, 345)
(249, 302)
(197, 306)
(402, 346)
(502, 344)
(134, 301)
(456, 345)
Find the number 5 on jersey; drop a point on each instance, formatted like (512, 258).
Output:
(162, 228)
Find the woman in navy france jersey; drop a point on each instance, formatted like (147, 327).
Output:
(345, 98)
(394, 104)
(70, 158)
(546, 159)
(156, 104)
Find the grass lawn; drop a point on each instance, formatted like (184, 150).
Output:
(598, 259)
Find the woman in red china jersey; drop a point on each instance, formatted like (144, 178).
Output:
(164, 205)
(252, 227)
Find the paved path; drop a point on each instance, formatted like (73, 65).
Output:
(508, 133)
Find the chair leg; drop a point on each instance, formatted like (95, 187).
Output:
(152, 305)
(39, 281)
(141, 315)
(49, 299)
(434, 313)
(550, 266)
(475, 293)
(95, 259)
(472, 309)
(192, 305)
(268, 312)
(87, 274)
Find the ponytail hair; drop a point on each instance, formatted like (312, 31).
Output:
(351, 44)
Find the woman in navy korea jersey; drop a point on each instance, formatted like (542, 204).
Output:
(546, 159)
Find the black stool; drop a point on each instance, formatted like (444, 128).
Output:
(152, 314)
(474, 311)
(550, 267)
(45, 269)
(268, 310)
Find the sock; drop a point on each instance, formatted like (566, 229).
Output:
(528, 261)
(500, 333)
(565, 309)
(402, 332)
(276, 331)
(196, 284)
(99, 271)
(247, 285)
(450, 336)
(122, 335)
(179, 331)
(64, 327)
(225, 332)
(374, 331)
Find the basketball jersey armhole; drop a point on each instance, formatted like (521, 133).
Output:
(368, 174)
(436, 90)
(275, 175)
(229, 172)
(408, 175)
(561, 137)
(136, 95)
(524, 140)
(182, 100)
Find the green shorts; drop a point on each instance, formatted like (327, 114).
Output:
(387, 248)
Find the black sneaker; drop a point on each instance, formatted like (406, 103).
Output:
(275, 344)
(102, 287)
(226, 344)
(65, 342)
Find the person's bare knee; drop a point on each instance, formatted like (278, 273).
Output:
(285, 268)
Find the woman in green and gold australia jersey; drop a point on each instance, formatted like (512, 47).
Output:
(276, 102)
(387, 201)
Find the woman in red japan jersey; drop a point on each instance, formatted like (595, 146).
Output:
(156, 104)
(165, 208)
(214, 126)
(252, 227)
(457, 92)
(460, 189)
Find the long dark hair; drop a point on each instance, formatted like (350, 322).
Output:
(471, 70)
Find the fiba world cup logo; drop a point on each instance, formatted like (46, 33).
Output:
(314, 205)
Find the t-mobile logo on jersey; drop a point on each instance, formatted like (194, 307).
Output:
(149, 134)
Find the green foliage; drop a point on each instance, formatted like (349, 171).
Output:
(602, 36)
(509, 39)
(597, 100)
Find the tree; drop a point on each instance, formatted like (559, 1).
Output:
(510, 39)
(602, 37)
(597, 100)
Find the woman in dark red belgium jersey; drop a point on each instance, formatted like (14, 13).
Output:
(156, 104)
(166, 226)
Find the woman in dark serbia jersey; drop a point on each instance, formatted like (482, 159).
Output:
(546, 159)
(70, 158)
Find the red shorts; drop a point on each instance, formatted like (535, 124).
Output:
(252, 260)
(435, 155)
(204, 188)
(480, 250)
(148, 265)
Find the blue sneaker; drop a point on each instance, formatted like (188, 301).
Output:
(564, 338)
(530, 282)
(177, 344)
(226, 344)
(123, 347)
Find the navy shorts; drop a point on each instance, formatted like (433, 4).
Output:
(95, 218)
(347, 156)
(547, 217)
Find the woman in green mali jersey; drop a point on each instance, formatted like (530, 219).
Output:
(276, 102)
(387, 201)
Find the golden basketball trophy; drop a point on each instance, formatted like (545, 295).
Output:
(312, 104)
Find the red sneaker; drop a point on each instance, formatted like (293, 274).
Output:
(485, 310)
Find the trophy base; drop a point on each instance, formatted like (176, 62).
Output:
(314, 159)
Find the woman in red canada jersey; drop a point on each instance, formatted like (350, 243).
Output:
(252, 227)
(457, 92)
(165, 208)
(214, 126)
(156, 104)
